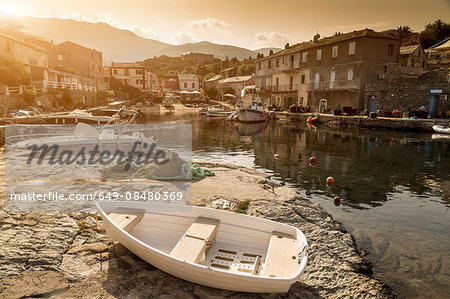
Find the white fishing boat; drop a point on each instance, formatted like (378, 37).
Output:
(216, 248)
(218, 113)
(87, 137)
(254, 113)
(76, 117)
(441, 129)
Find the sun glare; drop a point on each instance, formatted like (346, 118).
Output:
(9, 8)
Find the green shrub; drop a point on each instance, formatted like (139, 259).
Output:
(29, 96)
(240, 211)
(13, 72)
(243, 205)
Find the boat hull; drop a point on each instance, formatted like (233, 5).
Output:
(197, 273)
(218, 114)
(441, 129)
(252, 116)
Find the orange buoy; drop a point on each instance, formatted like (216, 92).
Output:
(330, 181)
(309, 119)
(337, 200)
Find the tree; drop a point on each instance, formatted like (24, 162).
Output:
(13, 72)
(234, 61)
(209, 76)
(246, 69)
(229, 90)
(434, 33)
(404, 33)
(211, 92)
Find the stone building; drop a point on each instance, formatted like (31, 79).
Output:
(237, 83)
(326, 72)
(412, 60)
(197, 57)
(429, 92)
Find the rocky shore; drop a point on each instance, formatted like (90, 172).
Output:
(69, 255)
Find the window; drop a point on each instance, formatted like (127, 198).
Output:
(412, 62)
(304, 55)
(60, 57)
(319, 54)
(115, 72)
(316, 81)
(303, 79)
(127, 72)
(385, 69)
(301, 101)
(185, 84)
(351, 48)
(291, 83)
(138, 81)
(270, 64)
(277, 84)
(350, 74)
(139, 72)
(390, 50)
(334, 52)
(193, 85)
(332, 78)
(292, 61)
(277, 62)
(259, 66)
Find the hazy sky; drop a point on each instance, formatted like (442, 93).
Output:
(248, 23)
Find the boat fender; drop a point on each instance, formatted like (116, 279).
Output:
(263, 114)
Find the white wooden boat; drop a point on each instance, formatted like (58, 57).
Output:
(218, 113)
(441, 129)
(76, 117)
(254, 113)
(210, 247)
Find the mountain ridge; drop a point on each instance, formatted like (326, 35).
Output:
(124, 45)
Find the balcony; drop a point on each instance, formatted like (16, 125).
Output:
(338, 85)
(284, 87)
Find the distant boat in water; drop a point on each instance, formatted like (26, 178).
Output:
(441, 129)
(254, 113)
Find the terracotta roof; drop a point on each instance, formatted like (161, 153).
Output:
(235, 79)
(407, 50)
(126, 64)
(215, 78)
(330, 40)
(187, 77)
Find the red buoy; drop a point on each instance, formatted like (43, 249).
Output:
(309, 119)
(330, 181)
(312, 160)
(337, 200)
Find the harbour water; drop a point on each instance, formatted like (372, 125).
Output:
(395, 188)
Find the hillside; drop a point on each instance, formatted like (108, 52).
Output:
(123, 45)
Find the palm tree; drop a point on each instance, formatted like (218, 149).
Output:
(404, 33)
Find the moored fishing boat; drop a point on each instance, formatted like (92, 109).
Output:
(218, 113)
(441, 129)
(211, 247)
(254, 113)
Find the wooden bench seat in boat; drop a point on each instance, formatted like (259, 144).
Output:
(282, 256)
(196, 240)
(127, 221)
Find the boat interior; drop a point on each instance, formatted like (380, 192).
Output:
(247, 247)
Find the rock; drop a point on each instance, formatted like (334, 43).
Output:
(93, 247)
(223, 204)
(33, 284)
(90, 221)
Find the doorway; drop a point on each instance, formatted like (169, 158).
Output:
(322, 105)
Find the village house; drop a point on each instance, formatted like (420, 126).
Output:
(325, 73)
(35, 58)
(412, 60)
(237, 83)
(131, 74)
(212, 82)
(188, 82)
(197, 57)
(439, 54)
(170, 84)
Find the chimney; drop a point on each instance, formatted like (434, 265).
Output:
(286, 46)
(316, 37)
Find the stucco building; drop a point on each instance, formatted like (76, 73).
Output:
(131, 74)
(326, 72)
(188, 82)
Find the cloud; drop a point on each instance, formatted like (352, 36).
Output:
(271, 39)
(147, 33)
(208, 24)
(183, 37)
